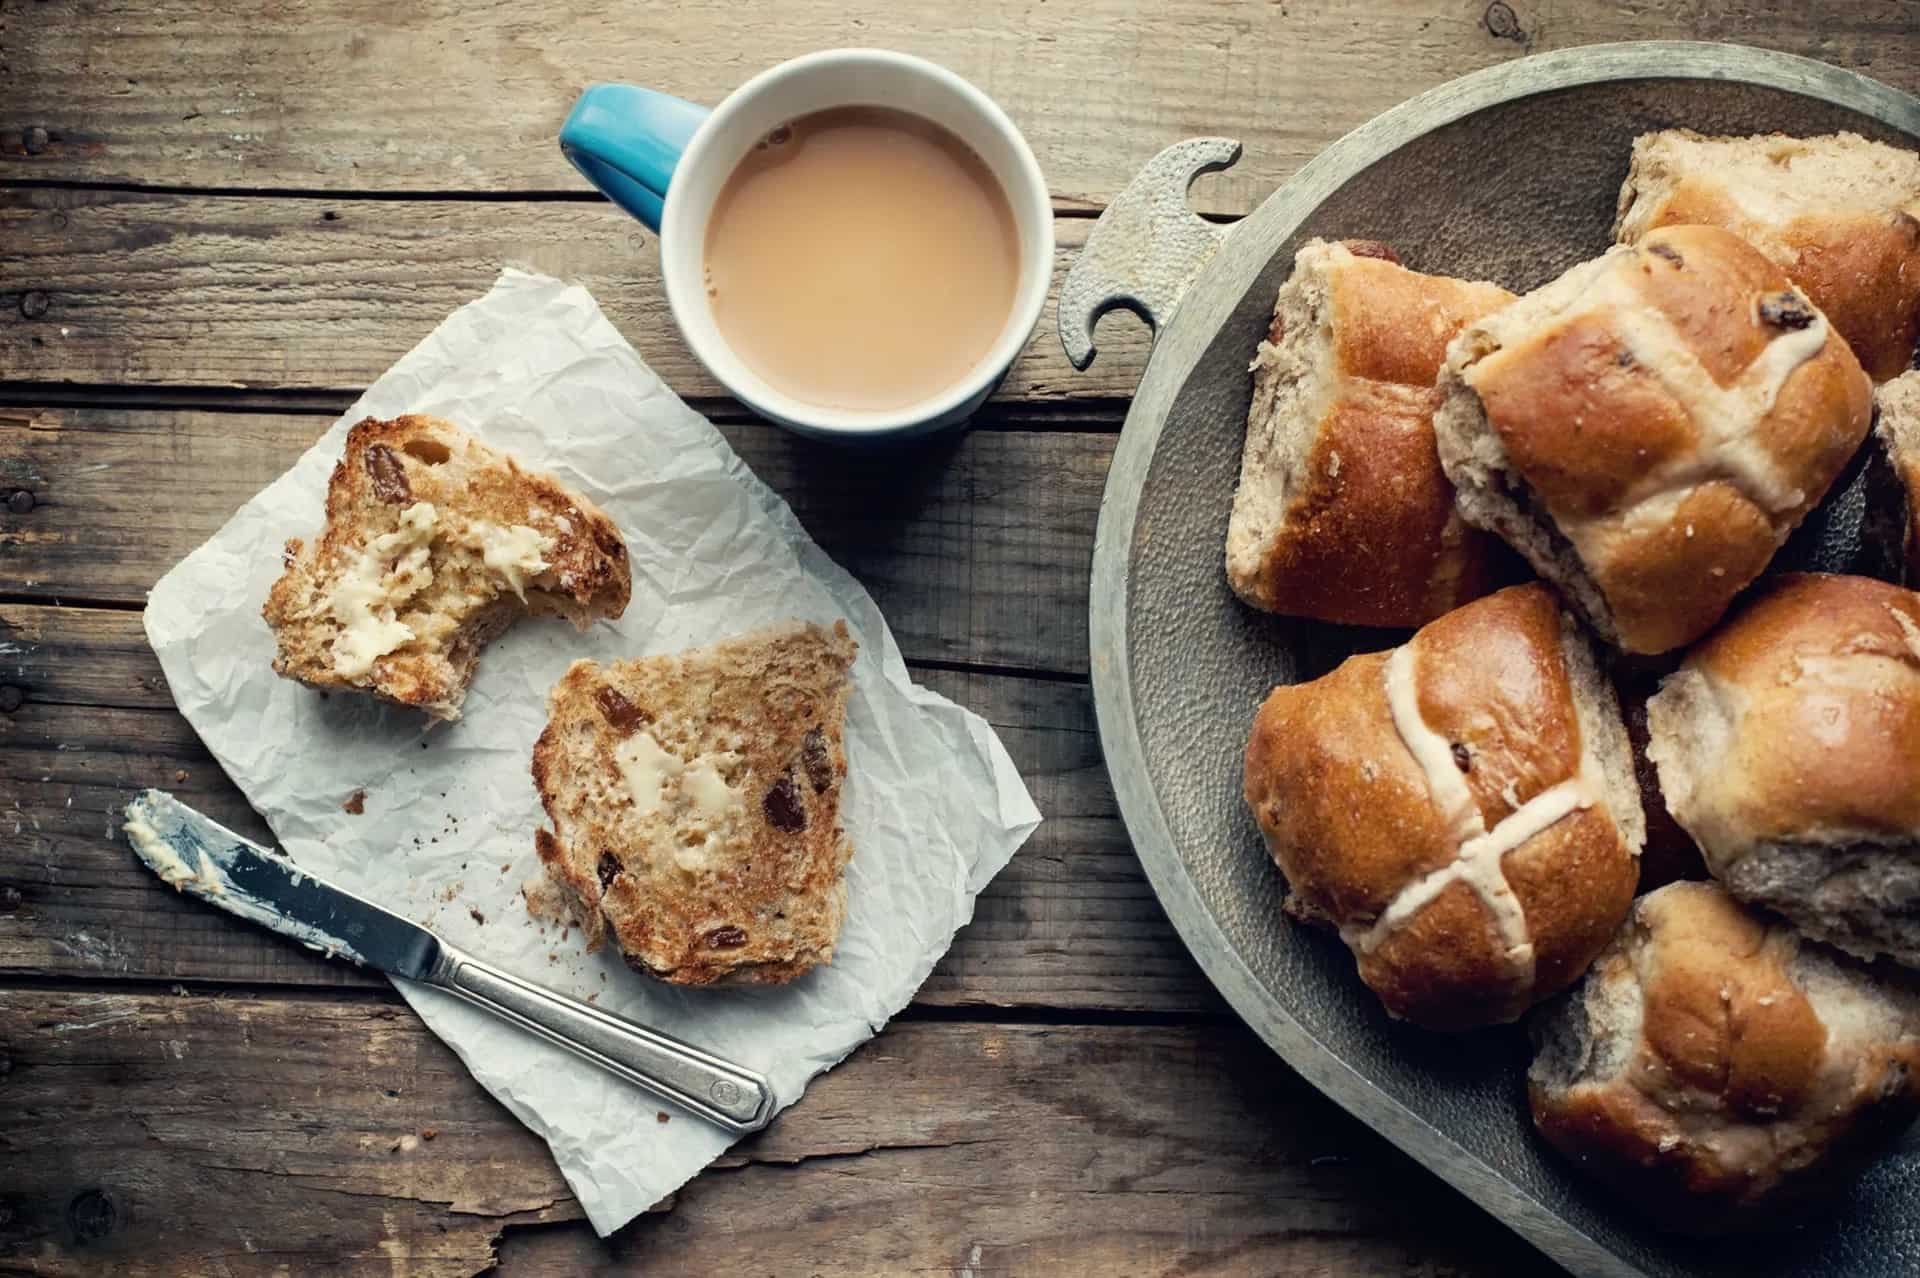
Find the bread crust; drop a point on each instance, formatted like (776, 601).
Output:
(1719, 1072)
(1360, 528)
(695, 802)
(1666, 414)
(1855, 252)
(453, 601)
(1354, 820)
(1790, 739)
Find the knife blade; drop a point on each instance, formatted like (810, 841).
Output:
(199, 856)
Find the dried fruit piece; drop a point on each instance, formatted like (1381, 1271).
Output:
(783, 807)
(389, 476)
(625, 717)
(1786, 310)
(1372, 248)
(815, 759)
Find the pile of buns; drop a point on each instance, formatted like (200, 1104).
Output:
(1467, 811)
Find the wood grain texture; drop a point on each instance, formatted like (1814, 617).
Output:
(1071, 923)
(977, 547)
(173, 290)
(134, 1147)
(366, 95)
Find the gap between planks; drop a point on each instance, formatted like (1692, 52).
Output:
(381, 994)
(1062, 206)
(1091, 416)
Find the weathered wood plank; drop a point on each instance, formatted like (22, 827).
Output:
(152, 1134)
(365, 95)
(1071, 923)
(172, 290)
(976, 547)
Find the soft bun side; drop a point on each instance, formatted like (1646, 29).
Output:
(1717, 1071)
(1788, 746)
(1342, 513)
(1898, 425)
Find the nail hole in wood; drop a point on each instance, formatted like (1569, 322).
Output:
(91, 1215)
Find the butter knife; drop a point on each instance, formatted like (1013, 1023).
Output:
(199, 856)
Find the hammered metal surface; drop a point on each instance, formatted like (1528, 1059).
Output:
(1147, 247)
(1516, 192)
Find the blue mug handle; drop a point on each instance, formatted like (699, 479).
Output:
(627, 141)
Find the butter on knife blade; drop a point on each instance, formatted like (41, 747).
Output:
(205, 859)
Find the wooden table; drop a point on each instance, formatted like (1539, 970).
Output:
(214, 228)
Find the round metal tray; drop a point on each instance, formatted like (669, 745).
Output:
(1508, 174)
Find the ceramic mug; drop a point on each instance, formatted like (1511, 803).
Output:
(665, 160)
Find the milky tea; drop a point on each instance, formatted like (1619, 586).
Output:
(861, 258)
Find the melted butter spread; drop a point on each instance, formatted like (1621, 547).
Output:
(390, 570)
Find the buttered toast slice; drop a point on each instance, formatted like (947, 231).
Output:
(434, 544)
(695, 802)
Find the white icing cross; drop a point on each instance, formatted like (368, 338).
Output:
(1480, 853)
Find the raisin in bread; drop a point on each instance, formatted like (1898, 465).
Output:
(1650, 427)
(695, 802)
(434, 544)
(1839, 214)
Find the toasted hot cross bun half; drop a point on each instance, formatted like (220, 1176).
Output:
(696, 800)
(434, 545)
(1649, 428)
(1461, 808)
(1342, 513)
(1788, 745)
(1720, 1072)
(1837, 213)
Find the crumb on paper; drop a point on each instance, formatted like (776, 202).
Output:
(544, 901)
(473, 912)
(661, 1116)
(356, 803)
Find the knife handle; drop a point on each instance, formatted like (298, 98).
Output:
(725, 1094)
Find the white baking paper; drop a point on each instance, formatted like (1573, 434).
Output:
(933, 804)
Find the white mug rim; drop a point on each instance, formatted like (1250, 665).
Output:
(734, 374)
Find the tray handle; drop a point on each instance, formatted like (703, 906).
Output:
(1146, 248)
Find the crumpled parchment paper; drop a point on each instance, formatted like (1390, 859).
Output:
(933, 804)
